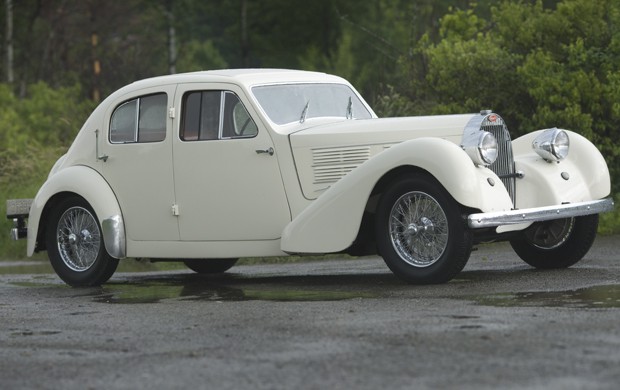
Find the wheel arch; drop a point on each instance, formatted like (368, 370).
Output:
(87, 184)
(365, 241)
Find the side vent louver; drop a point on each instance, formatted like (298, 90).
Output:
(331, 164)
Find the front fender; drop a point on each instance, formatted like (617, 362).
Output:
(331, 222)
(90, 185)
(582, 176)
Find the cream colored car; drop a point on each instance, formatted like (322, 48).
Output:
(209, 167)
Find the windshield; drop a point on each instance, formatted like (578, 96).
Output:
(297, 102)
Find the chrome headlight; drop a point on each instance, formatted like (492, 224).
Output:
(552, 144)
(481, 147)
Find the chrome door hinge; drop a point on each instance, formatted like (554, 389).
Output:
(171, 112)
(175, 210)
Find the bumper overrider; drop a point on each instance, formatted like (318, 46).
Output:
(539, 214)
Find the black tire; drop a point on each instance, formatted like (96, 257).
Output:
(556, 244)
(75, 245)
(210, 266)
(421, 234)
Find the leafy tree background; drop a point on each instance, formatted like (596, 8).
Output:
(539, 63)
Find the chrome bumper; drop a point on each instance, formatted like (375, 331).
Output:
(537, 214)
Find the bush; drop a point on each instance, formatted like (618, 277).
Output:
(35, 131)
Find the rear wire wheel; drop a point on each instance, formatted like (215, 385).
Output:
(75, 245)
(420, 232)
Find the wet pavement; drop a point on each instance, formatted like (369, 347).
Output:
(315, 325)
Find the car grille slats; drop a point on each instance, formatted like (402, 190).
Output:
(504, 166)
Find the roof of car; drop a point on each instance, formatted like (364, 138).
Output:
(247, 77)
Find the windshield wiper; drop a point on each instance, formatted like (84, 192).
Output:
(302, 119)
(350, 109)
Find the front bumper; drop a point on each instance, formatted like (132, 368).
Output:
(538, 214)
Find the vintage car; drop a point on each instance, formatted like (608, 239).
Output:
(213, 166)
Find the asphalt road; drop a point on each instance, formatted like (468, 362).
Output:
(338, 324)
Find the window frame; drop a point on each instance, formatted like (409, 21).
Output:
(136, 131)
(222, 116)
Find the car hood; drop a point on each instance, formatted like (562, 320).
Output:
(327, 152)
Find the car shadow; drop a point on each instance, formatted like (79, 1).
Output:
(232, 286)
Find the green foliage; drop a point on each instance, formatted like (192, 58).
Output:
(36, 131)
(609, 223)
(196, 55)
(392, 104)
(539, 67)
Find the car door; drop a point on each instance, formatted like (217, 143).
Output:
(227, 179)
(138, 146)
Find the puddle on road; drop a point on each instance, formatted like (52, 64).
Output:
(154, 292)
(596, 297)
(190, 287)
(231, 287)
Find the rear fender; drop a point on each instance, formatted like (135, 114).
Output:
(90, 185)
(331, 222)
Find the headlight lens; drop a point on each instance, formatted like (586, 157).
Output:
(552, 144)
(488, 148)
(481, 147)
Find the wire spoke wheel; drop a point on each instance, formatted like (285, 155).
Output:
(418, 229)
(78, 238)
(556, 244)
(75, 244)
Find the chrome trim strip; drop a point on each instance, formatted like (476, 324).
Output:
(536, 214)
(14, 234)
(114, 236)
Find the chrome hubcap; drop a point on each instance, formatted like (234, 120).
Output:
(78, 239)
(418, 229)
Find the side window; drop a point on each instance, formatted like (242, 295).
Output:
(152, 118)
(140, 120)
(123, 125)
(238, 123)
(201, 116)
(212, 115)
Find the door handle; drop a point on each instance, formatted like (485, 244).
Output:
(99, 157)
(269, 151)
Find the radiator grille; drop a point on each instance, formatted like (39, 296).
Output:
(504, 166)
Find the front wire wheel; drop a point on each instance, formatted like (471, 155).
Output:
(420, 232)
(418, 229)
(556, 244)
(75, 245)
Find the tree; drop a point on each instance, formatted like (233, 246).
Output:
(537, 66)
